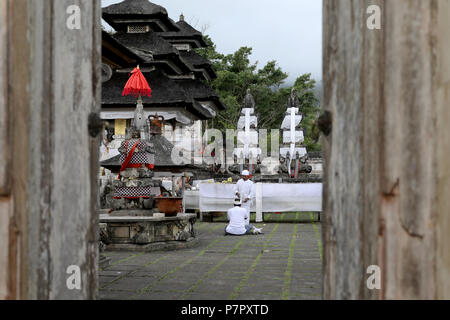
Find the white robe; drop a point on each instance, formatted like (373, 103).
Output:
(247, 190)
(238, 219)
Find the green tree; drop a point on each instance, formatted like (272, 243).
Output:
(236, 74)
(310, 107)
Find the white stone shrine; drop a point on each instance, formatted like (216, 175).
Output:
(247, 153)
(292, 151)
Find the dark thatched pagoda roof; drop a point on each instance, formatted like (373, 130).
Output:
(140, 7)
(199, 63)
(165, 93)
(120, 15)
(195, 59)
(142, 43)
(117, 55)
(201, 92)
(186, 28)
(186, 34)
(149, 41)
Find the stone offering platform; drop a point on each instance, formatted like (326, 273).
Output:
(140, 232)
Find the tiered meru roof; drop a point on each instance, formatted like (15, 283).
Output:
(155, 49)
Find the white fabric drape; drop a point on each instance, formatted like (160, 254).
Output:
(274, 197)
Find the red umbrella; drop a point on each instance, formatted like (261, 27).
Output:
(137, 85)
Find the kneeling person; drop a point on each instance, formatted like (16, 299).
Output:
(239, 221)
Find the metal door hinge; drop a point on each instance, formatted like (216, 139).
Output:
(95, 124)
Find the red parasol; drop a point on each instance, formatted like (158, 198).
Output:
(137, 85)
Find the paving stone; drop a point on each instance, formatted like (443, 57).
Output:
(171, 274)
(115, 273)
(159, 295)
(144, 273)
(130, 284)
(209, 295)
(258, 296)
(114, 295)
(122, 268)
(104, 279)
(228, 286)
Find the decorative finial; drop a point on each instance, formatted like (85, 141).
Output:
(181, 17)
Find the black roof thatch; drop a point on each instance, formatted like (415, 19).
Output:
(165, 93)
(151, 42)
(120, 15)
(194, 58)
(141, 7)
(164, 90)
(198, 62)
(186, 34)
(116, 53)
(187, 28)
(155, 49)
(200, 91)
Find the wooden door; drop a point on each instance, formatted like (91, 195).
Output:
(50, 56)
(387, 170)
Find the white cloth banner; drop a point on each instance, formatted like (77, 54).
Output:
(216, 197)
(258, 202)
(275, 197)
(191, 199)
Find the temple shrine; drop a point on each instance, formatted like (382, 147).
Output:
(293, 155)
(145, 35)
(141, 186)
(247, 154)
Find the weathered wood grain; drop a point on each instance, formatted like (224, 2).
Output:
(4, 127)
(4, 150)
(53, 85)
(441, 152)
(19, 106)
(387, 157)
(4, 247)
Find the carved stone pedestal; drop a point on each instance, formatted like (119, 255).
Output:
(147, 233)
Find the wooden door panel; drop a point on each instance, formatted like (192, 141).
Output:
(4, 134)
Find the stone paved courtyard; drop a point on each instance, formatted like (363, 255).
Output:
(283, 263)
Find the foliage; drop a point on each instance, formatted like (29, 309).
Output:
(236, 74)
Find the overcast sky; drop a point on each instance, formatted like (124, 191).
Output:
(288, 31)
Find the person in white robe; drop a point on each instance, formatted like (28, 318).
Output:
(239, 218)
(245, 190)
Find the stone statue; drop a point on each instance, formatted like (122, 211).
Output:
(135, 188)
(139, 116)
(249, 101)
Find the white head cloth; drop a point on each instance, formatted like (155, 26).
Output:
(245, 173)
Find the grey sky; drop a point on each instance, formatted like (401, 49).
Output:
(288, 31)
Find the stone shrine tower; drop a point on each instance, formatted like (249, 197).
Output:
(247, 154)
(292, 151)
